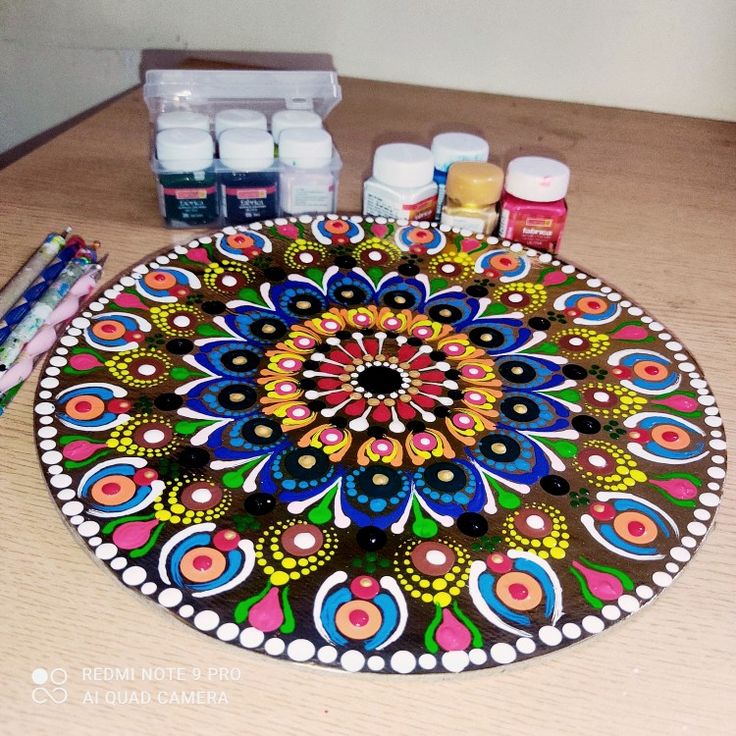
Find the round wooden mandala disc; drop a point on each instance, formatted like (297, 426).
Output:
(380, 446)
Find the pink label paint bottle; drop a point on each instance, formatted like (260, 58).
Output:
(533, 208)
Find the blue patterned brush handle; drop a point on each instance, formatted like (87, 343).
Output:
(36, 291)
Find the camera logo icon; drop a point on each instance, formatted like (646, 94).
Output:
(49, 685)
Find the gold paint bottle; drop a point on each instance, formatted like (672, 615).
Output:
(473, 191)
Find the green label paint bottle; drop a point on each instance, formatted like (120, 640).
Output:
(187, 188)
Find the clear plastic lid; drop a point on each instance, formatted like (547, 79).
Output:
(184, 149)
(239, 118)
(305, 148)
(403, 165)
(216, 89)
(447, 148)
(246, 149)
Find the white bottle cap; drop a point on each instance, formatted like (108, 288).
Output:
(246, 149)
(239, 118)
(403, 165)
(305, 148)
(184, 149)
(447, 148)
(537, 179)
(284, 119)
(182, 119)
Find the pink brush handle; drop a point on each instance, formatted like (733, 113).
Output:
(46, 336)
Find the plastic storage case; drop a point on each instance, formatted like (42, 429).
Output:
(209, 91)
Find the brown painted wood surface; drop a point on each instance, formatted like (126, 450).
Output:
(652, 213)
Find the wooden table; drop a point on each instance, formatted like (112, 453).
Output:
(641, 183)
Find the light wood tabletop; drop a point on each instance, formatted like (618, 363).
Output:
(652, 211)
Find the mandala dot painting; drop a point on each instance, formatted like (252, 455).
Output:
(380, 446)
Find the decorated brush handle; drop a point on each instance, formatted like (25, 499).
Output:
(46, 336)
(40, 312)
(34, 292)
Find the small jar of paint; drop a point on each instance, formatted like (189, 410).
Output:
(308, 180)
(533, 207)
(186, 179)
(239, 118)
(473, 191)
(282, 120)
(182, 119)
(401, 186)
(449, 148)
(248, 180)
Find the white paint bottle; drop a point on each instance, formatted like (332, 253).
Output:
(308, 181)
(283, 120)
(449, 148)
(401, 186)
(239, 118)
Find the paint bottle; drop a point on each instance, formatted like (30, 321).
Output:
(186, 177)
(182, 119)
(284, 119)
(473, 191)
(533, 208)
(401, 186)
(308, 182)
(239, 118)
(248, 180)
(447, 148)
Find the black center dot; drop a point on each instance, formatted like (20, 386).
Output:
(586, 424)
(517, 371)
(476, 290)
(194, 457)
(168, 402)
(180, 346)
(486, 337)
(379, 482)
(472, 525)
(305, 305)
(576, 372)
(539, 323)
(446, 477)
(345, 262)
(274, 274)
(379, 379)
(519, 409)
(240, 361)
(400, 299)
(555, 485)
(350, 295)
(444, 313)
(213, 307)
(268, 329)
(261, 431)
(371, 538)
(500, 448)
(307, 463)
(237, 396)
(259, 503)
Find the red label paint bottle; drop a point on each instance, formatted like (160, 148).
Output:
(248, 179)
(533, 208)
